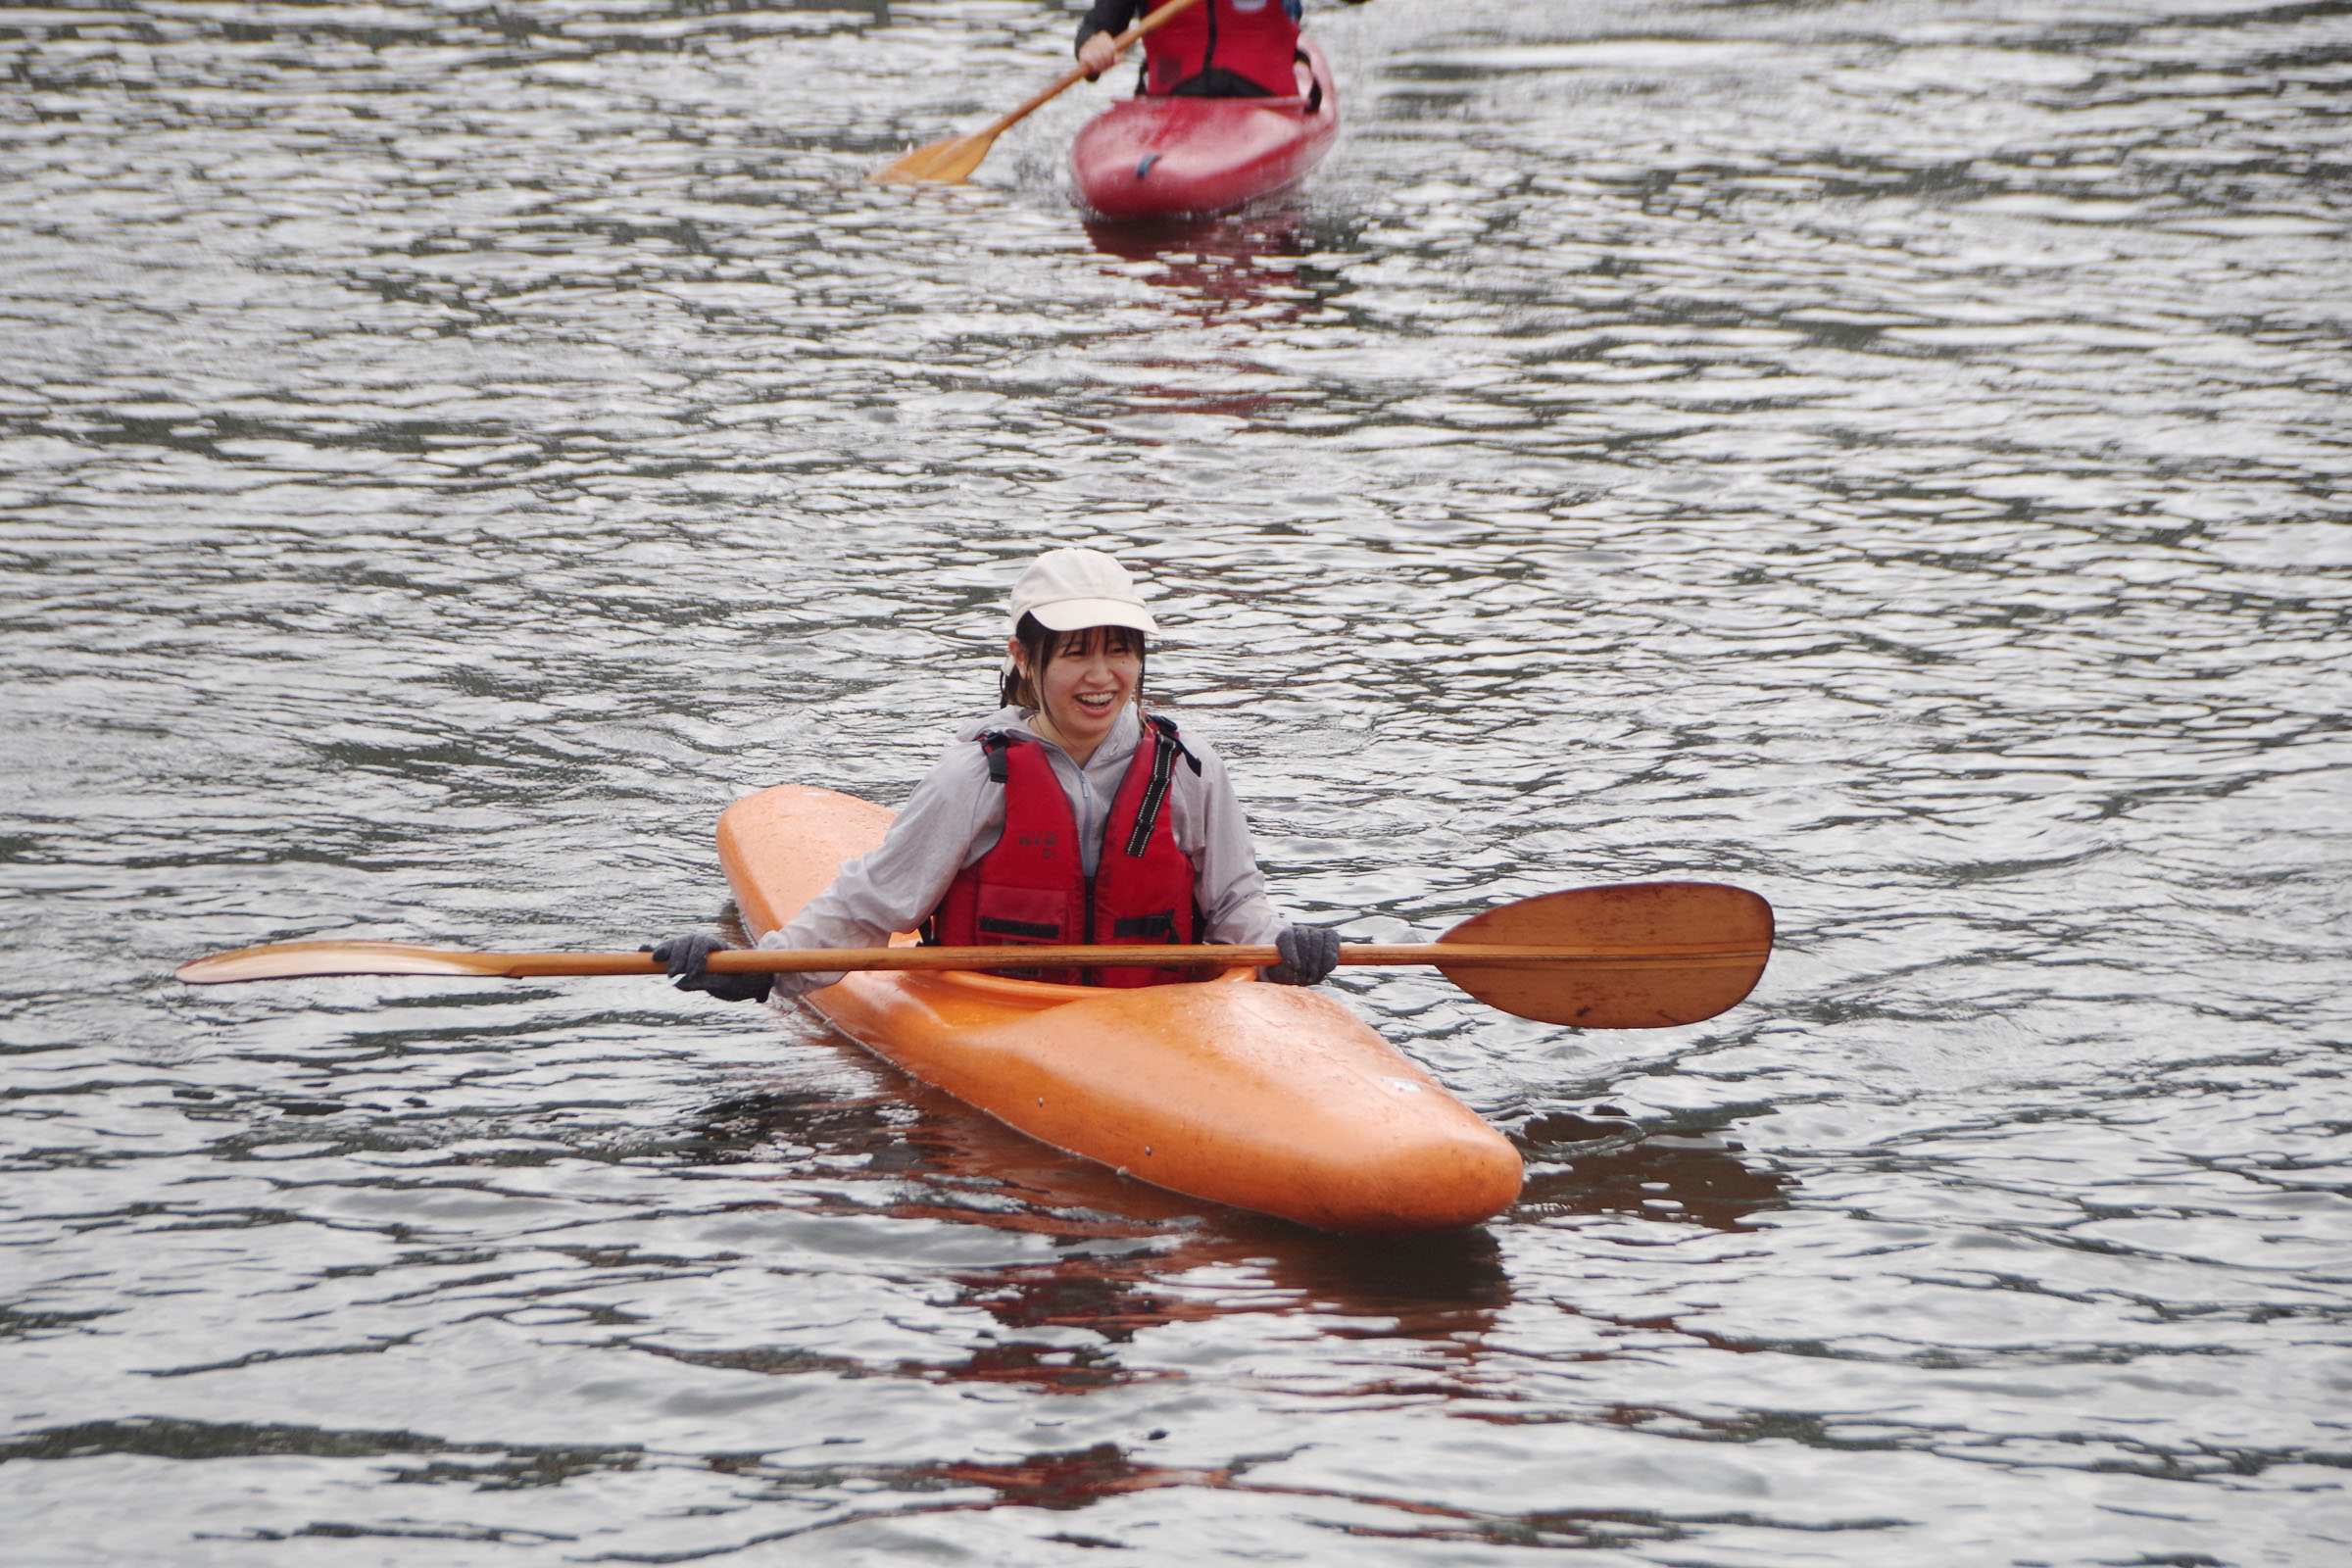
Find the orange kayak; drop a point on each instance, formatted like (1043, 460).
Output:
(1265, 1096)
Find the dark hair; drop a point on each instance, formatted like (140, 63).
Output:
(1039, 643)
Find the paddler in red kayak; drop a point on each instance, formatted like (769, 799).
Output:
(1211, 49)
(1070, 815)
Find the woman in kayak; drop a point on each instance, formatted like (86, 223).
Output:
(981, 853)
(1211, 49)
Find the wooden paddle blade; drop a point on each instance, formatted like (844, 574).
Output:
(945, 163)
(295, 961)
(1693, 948)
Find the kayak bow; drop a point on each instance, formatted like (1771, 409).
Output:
(1168, 157)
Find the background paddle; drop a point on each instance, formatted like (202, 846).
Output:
(952, 161)
(1637, 956)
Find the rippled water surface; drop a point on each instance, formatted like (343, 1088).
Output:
(1892, 455)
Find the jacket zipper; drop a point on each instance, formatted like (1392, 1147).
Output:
(1086, 835)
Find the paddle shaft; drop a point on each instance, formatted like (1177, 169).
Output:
(1166, 13)
(1642, 956)
(826, 961)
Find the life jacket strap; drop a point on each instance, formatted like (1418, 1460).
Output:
(1166, 748)
(1022, 930)
(1160, 927)
(994, 746)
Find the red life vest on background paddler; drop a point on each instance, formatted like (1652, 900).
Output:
(1032, 887)
(1256, 39)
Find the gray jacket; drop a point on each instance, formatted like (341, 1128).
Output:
(955, 816)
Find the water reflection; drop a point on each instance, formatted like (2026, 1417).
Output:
(942, 1159)
(1255, 267)
(1068, 1480)
(1694, 1179)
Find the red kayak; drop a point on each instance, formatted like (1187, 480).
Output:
(1173, 157)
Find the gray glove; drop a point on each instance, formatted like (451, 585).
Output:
(686, 956)
(1308, 954)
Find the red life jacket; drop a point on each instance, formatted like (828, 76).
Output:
(1032, 888)
(1253, 39)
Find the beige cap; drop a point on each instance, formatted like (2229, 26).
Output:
(1068, 590)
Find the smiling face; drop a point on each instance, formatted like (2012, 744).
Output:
(1089, 678)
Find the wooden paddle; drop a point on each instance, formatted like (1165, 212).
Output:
(952, 161)
(1640, 955)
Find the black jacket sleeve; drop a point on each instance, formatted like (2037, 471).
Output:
(1110, 16)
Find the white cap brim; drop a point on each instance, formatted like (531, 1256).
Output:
(1076, 614)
